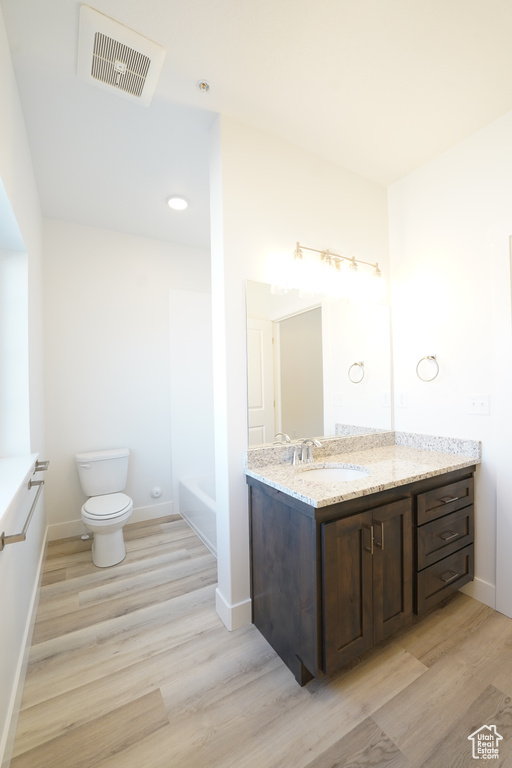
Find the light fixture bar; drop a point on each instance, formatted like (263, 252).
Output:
(326, 254)
(324, 275)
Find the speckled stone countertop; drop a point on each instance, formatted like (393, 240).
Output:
(392, 459)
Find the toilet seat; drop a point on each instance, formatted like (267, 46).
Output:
(107, 507)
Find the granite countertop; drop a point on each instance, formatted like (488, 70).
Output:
(390, 465)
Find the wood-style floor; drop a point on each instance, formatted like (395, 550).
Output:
(132, 668)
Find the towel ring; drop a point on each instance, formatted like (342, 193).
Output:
(433, 358)
(361, 372)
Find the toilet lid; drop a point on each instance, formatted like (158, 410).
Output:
(107, 507)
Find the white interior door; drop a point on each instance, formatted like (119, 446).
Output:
(260, 366)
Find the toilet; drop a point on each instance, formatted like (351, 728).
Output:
(102, 477)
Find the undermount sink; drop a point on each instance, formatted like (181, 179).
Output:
(335, 474)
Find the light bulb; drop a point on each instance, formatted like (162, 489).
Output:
(177, 203)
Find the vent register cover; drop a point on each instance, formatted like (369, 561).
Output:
(117, 65)
(116, 58)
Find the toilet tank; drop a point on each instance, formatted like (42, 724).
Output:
(102, 472)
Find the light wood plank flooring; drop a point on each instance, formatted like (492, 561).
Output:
(132, 668)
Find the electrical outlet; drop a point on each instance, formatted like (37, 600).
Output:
(386, 400)
(478, 404)
(402, 399)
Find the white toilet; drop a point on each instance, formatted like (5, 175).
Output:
(102, 476)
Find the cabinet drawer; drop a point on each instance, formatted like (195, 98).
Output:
(442, 501)
(444, 536)
(437, 581)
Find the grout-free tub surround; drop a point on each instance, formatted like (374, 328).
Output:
(392, 458)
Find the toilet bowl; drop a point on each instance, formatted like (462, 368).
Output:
(102, 476)
(104, 517)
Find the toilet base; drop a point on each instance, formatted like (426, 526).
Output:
(108, 548)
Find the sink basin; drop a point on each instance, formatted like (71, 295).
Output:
(335, 474)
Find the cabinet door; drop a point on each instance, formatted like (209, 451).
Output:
(346, 589)
(392, 567)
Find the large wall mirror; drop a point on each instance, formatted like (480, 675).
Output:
(316, 366)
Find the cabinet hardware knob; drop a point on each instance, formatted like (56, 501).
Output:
(448, 535)
(448, 576)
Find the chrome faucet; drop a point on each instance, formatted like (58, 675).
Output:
(303, 451)
(280, 442)
(307, 449)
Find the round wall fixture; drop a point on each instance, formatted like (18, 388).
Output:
(356, 372)
(177, 203)
(204, 86)
(427, 368)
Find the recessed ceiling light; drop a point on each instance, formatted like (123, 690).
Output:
(177, 203)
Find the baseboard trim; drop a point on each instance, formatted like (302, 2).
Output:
(139, 515)
(482, 591)
(200, 534)
(153, 512)
(233, 616)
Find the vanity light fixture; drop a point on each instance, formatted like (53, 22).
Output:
(326, 272)
(177, 203)
(297, 254)
(353, 265)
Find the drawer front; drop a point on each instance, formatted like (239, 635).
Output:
(442, 501)
(437, 581)
(444, 536)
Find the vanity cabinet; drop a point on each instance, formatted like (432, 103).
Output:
(366, 580)
(327, 583)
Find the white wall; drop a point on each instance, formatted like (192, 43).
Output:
(17, 176)
(266, 195)
(20, 563)
(190, 336)
(358, 332)
(449, 227)
(107, 356)
(14, 380)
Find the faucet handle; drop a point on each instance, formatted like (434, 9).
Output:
(296, 458)
(307, 449)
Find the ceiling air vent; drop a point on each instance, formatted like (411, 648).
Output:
(116, 58)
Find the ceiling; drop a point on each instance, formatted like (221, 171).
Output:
(377, 86)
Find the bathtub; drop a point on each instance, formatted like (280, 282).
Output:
(197, 507)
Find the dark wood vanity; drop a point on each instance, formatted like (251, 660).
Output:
(330, 582)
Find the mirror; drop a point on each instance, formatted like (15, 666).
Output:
(316, 366)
